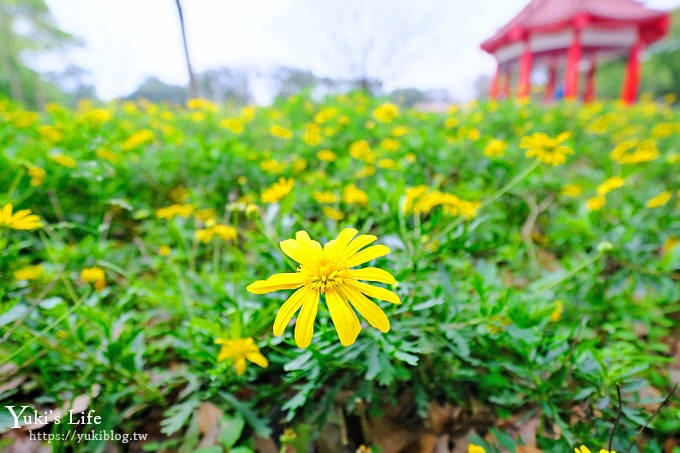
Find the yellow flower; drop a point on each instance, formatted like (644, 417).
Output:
(312, 135)
(399, 131)
(572, 190)
(646, 151)
(175, 210)
(201, 104)
(669, 244)
(364, 172)
(659, 200)
(582, 449)
(353, 195)
(299, 165)
(37, 175)
(94, 275)
(610, 184)
(361, 150)
(389, 144)
(410, 157)
(272, 166)
(64, 161)
(206, 215)
(20, 220)
(278, 190)
(333, 214)
(546, 149)
(239, 351)
(328, 271)
(137, 139)
(450, 123)
(29, 272)
(281, 132)
(50, 134)
(226, 232)
(325, 114)
(556, 314)
(325, 197)
(495, 148)
(235, 125)
(109, 155)
(596, 203)
(472, 448)
(97, 117)
(387, 163)
(164, 250)
(385, 113)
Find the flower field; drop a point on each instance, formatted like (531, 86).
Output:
(345, 276)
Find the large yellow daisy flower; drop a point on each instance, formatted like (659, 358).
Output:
(328, 271)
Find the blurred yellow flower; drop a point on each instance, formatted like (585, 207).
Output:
(201, 104)
(178, 194)
(299, 165)
(572, 190)
(312, 135)
(495, 148)
(94, 275)
(281, 132)
(548, 150)
(450, 123)
(364, 172)
(472, 448)
(325, 197)
(29, 272)
(326, 155)
(596, 203)
(272, 166)
(610, 184)
(333, 214)
(399, 131)
(137, 139)
(328, 270)
(234, 125)
(109, 155)
(556, 314)
(278, 190)
(240, 350)
(385, 113)
(361, 150)
(63, 160)
(325, 114)
(353, 195)
(37, 175)
(20, 220)
(50, 134)
(659, 200)
(164, 250)
(389, 144)
(97, 117)
(226, 232)
(386, 163)
(175, 210)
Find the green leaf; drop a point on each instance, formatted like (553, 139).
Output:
(177, 416)
(231, 429)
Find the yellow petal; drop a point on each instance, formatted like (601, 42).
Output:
(224, 354)
(293, 249)
(358, 243)
(304, 325)
(345, 320)
(288, 309)
(339, 244)
(276, 282)
(240, 366)
(368, 254)
(368, 309)
(375, 292)
(258, 359)
(372, 274)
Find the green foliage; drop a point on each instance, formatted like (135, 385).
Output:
(533, 305)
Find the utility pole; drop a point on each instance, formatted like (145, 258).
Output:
(193, 89)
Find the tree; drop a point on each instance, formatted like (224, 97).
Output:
(27, 29)
(224, 85)
(155, 90)
(369, 40)
(193, 88)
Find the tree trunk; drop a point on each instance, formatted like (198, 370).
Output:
(193, 92)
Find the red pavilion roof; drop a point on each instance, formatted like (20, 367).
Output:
(550, 16)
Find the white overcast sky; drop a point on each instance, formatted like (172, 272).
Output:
(128, 40)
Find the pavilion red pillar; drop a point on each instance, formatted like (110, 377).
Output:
(524, 76)
(493, 90)
(632, 80)
(573, 61)
(507, 80)
(549, 94)
(589, 95)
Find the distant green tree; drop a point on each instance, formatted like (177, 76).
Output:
(660, 67)
(155, 90)
(28, 29)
